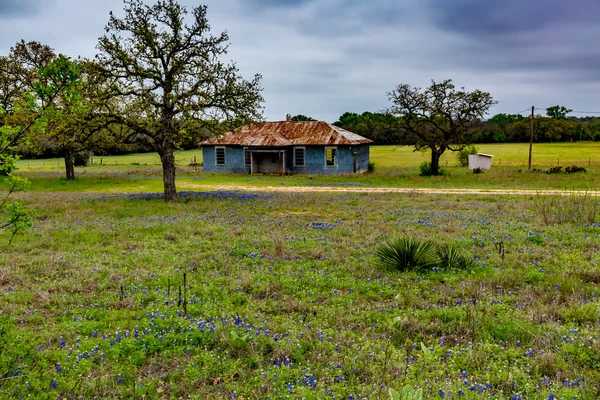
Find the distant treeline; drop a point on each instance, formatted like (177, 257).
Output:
(501, 128)
(384, 129)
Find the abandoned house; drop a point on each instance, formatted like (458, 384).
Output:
(287, 147)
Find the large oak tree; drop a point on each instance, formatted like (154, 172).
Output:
(167, 68)
(438, 118)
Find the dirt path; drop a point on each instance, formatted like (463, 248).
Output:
(338, 189)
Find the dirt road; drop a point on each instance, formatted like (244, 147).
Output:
(346, 189)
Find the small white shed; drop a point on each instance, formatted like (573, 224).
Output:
(483, 161)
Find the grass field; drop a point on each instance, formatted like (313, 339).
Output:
(254, 295)
(142, 173)
(515, 154)
(284, 299)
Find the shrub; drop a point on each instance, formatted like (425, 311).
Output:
(407, 254)
(577, 208)
(371, 167)
(427, 171)
(477, 170)
(451, 257)
(463, 155)
(82, 159)
(574, 168)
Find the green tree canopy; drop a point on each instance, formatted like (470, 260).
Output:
(438, 118)
(558, 112)
(56, 79)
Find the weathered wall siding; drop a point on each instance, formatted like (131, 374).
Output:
(314, 160)
(234, 160)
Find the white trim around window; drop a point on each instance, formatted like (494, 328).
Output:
(297, 152)
(331, 157)
(220, 157)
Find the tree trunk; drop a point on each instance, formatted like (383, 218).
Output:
(167, 157)
(70, 164)
(435, 161)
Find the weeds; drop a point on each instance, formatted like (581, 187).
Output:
(573, 207)
(407, 393)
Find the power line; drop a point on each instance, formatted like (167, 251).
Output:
(521, 112)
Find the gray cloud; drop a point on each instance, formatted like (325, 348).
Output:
(324, 57)
(18, 8)
(543, 36)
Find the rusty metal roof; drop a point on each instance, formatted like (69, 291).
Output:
(288, 133)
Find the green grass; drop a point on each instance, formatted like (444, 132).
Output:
(284, 297)
(149, 179)
(396, 167)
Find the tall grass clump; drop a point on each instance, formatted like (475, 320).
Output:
(573, 207)
(407, 254)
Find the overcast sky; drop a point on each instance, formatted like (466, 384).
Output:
(324, 57)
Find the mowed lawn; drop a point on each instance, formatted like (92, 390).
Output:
(515, 154)
(246, 295)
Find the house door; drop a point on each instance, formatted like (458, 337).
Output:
(355, 162)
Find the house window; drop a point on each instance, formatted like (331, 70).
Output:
(220, 155)
(247, 157)
(331, 157)
(299, 157)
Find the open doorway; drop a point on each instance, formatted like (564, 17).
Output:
(267, 162)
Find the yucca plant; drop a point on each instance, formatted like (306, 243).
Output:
(407, 254)
(451, 257)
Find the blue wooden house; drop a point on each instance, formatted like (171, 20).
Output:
(287, 147)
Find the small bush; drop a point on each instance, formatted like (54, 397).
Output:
(371, 167)
(477, 170)
(463, 155)
(451, 257)
(574, 168)
(427, 171)
(82, 159)
(407, 254)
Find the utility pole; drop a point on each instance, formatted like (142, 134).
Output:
(531, 137)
